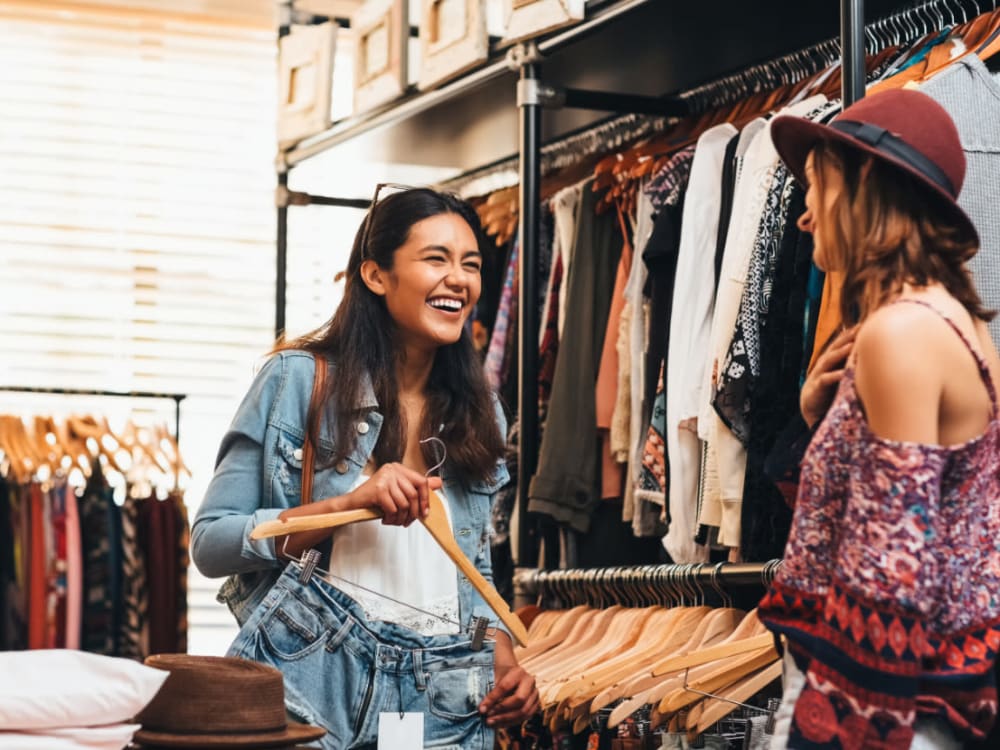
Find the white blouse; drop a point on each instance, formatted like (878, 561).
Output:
(405, 564)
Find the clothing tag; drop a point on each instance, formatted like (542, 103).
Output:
(398, 731)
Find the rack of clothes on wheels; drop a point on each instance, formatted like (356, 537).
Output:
(93, 529)
(673, 303)
(657, 656)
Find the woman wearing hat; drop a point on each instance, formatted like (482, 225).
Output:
(889, 596)
(382, 627)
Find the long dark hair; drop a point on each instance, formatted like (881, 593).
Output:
(361, 340)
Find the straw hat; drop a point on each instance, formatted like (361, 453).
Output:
(219, 702)
(901, 127)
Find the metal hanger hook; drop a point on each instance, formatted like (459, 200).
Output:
(442, 453)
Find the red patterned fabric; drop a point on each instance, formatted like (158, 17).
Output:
(890, 590)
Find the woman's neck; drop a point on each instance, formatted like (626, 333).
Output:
(414, 371)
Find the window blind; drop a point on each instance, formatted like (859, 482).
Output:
(136, 215)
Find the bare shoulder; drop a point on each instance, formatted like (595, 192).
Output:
(898, 335)
(901, 352)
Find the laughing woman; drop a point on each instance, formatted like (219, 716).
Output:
(386, 629)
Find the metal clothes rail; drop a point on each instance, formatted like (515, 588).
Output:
(176, 397)
(642, 585)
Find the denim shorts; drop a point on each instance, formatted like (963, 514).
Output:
(342, 670)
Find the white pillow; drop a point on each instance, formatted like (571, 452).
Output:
(113, 737)
(48, 689)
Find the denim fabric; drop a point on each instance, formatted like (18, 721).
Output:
(342, 670)
(258, 474)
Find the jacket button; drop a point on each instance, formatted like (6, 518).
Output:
(341, 467)
(363, 428)
(297, 454)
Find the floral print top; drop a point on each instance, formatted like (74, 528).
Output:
(889, 595)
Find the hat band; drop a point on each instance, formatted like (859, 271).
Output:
(894, 146)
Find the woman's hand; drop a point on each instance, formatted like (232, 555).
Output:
(515, 698)
(821, 382)
(401, 494)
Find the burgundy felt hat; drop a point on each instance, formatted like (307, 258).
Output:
(904, 128)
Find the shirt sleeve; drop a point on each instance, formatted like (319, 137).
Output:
(234, 501)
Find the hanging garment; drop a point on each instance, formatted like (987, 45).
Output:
(56, 607)
(18, 612)
(690, 320)
(566, 484)
(565, 210)
(37, 569)
(183, 563)
(654, 482)
(710, 501)
(74, 570)
(887, 595)
(100, 535)
(8, 572)
(742, 362)
(660, 256)
(548, 350)
(637, 314)
(971, 95)
(774, 395)
(498, 339)
(667, 186)
(134, 635)
(606, 389)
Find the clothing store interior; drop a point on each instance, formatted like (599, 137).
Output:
(191, 192)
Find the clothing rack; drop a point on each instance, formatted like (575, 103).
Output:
(176, 397)
(641, 585)
(619, 130)
(533, 94)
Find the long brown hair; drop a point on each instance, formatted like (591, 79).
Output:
(361, 339)
(887, 230)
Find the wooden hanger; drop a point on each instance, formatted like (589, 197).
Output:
(559, 627)
(652, 684)
(436, 522)
(726, 701)
(86, 428)
(715, 676)
(18, 462)
(626, 631)
(647, 689)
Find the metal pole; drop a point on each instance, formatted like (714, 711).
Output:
(282, 270)
(852, 49)
(177, 418)
(527, 317)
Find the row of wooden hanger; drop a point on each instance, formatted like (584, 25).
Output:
(46, 447)
(693, 664)
(901, 36)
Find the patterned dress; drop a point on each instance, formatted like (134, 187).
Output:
(889, 595)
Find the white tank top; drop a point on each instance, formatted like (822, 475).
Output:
(403, 563)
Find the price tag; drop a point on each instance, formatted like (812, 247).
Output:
(400, 732)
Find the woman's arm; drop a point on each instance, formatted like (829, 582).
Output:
(234, 504)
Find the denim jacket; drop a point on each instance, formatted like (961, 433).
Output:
(258, 474)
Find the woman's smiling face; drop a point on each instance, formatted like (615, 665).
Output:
(434, 282)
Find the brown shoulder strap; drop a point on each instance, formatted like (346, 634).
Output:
(312, 428)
